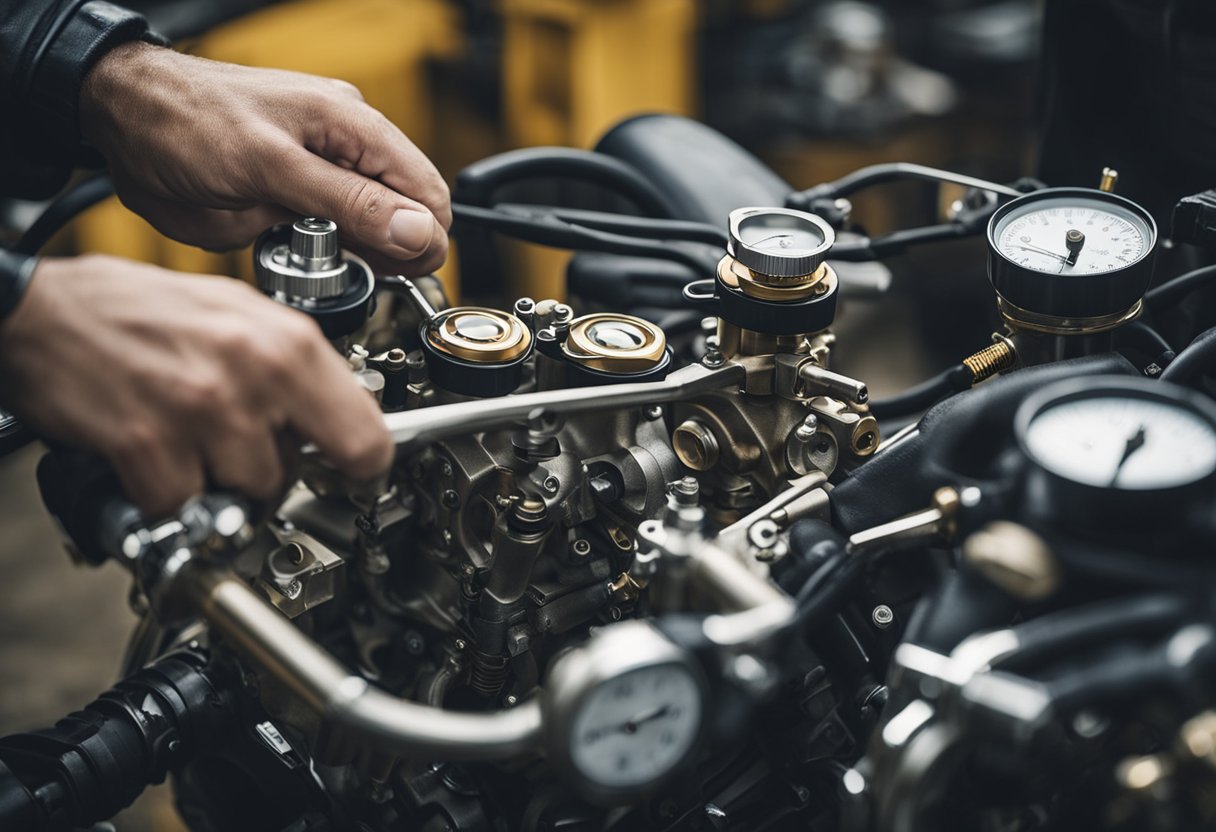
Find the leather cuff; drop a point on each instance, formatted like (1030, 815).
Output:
(54, 92)
(15, 273)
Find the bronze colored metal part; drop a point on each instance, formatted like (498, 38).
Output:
(481, 335)
(615, 343)
(1019, 318)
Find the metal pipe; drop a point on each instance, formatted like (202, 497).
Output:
(342, 699)
(414, 428)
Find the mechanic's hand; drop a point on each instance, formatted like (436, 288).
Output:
(178, 378)
(212, 154)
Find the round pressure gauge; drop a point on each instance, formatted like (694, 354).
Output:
(623, 712)
(779, 242)
(1071, 253)
(1119, 451)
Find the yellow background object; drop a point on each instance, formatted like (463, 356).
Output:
(381, 46)
(570, 69)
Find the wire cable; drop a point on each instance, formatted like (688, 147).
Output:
(1198, 358)
(1177, 288)
(69, 205)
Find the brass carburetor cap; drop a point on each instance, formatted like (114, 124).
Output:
(478, 335)
(615, 343)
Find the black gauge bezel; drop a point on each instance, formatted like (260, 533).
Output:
(1111, 510)
(1079, 296)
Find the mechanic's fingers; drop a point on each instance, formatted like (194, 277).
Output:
(246, 460)
(366, 211)
(326, 406)
(360, 138)
(156, 474)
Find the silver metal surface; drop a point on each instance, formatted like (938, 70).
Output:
(776, 260)
(345, 701)
(412, 429)
(303, 261)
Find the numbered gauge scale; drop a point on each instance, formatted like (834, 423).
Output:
(1118, 454)
(1071, 259)
(623, 712)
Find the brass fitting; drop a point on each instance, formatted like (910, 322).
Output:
(1109, 177)
(1015, 559)
(989, 361)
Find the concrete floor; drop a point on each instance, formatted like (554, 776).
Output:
(63, 627)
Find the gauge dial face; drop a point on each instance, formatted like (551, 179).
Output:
(779, 242)
(1073, 235)
(1123, 441)
(780, 234)
(632, 730)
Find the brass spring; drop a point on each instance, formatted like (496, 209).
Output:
(990, 361)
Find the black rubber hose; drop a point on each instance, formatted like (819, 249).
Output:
(644, 227)
(888, 172)
(96, 761)
(1140, 336)
(1130, 674)
(63, 210)
(1043, 637)
(1198, 358)
(924, 395)
(480, 181)
(548, 230)
(1177, 288)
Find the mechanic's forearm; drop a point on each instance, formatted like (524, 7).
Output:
(47, 48)
(15, 273)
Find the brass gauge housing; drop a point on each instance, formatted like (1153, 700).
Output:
(476, 351)
(610, 348)
(480, 335)
(613, 343)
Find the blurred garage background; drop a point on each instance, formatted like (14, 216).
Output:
(816, 88)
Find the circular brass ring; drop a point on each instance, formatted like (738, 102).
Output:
(478, 334)
(1053, 325)
(780, 289)
(615, 343)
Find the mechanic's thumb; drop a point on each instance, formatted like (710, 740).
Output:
(365, 210)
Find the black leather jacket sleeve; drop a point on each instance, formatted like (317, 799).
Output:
(46, 49)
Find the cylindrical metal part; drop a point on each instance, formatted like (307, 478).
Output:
(342, 699)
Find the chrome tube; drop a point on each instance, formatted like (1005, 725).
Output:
(413, 428)
(343, 700)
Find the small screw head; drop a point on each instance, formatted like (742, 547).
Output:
(460, 644)
(511, 699)
(446, 468)
(451, 499)
(883, 617)
(653, 413)
(551, 484)
(582, 548)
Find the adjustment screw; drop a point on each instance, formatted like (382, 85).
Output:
(551, 484)
(883, 617)
(582, 548)
(686, 490)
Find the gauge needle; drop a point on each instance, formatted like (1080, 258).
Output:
(1134, 443)
(1042, 251)
(631, 726)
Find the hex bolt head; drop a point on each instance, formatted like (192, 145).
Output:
(882, 616)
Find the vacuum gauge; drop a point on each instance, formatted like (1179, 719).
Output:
(1120, 451)
(1071, 253)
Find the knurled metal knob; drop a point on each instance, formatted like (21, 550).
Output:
(302, 260)
(314, 243)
